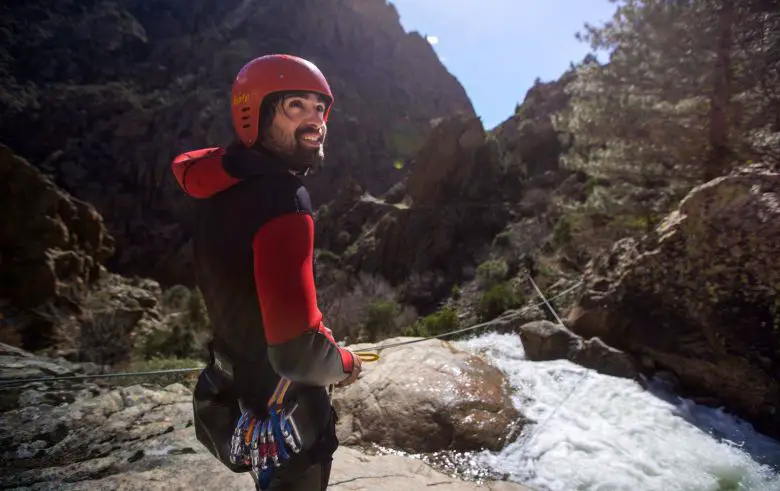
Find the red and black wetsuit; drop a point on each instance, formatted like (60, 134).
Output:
(254, 244)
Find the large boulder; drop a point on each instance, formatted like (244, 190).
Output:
(700, 296)
(425, 397)
(545, 340)
(446, 165)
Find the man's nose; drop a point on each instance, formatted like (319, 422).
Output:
(315, 117)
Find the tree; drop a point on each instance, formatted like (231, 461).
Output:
(640, 116)
(690, 90)
(688, 84)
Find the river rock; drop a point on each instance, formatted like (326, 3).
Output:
(545, 340)
(425, 397)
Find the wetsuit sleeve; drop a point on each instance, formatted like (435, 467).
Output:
(300, 347)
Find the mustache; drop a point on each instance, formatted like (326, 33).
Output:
(310, 129)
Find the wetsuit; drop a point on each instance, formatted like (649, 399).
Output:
(253, 244)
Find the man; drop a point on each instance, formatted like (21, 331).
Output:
(254, 239)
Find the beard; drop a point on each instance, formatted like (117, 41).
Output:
(297, 157)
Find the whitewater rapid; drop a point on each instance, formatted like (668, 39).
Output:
(612, 434)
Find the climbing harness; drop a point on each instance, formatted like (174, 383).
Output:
(369, 354)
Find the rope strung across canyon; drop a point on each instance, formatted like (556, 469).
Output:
(369, 354)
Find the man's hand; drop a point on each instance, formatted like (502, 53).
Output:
(357, 366)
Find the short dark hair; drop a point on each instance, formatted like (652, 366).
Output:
(267, 111)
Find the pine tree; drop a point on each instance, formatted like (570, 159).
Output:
(641, 116)
(687, 87)
(691, 89)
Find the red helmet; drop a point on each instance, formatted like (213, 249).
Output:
(266, 75)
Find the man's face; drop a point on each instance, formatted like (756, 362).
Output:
(298, 131)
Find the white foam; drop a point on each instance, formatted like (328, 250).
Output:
(612, 434)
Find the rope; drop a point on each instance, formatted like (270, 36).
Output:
(546, 303)
(538, 428)
(465, 329)
(7, 382)
(365, 354)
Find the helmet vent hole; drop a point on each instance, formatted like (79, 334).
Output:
(246, 126)
(245, 109)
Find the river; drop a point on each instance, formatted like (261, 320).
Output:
(611, 434)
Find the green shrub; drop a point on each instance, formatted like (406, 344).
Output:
(381, 318)
(441, 321)
(187, 330)
(635, 224)
(590, 185)
(503, 239)
(497, 300)
(561, 234)
(455, 292)
(175, 298)
(326, 256)
(492, 272)
(105, 336)
(188, 379)
(322, 212)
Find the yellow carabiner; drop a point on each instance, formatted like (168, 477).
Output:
(368, 357)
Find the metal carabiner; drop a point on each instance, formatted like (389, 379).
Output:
(237, 446)
(273, 451)
(255, 451)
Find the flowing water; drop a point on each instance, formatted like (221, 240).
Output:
(612, 434)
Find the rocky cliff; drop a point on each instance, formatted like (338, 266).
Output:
(103, 94)
(699, 297)
(52, 250)
(529, 137)
(56, 294)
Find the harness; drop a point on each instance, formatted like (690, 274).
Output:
(250, 431)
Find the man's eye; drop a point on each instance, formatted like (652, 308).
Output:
(321, 108)
(296, 104)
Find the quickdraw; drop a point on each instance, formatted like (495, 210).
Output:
(266, 444)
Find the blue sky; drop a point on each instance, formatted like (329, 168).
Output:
(497, 48)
